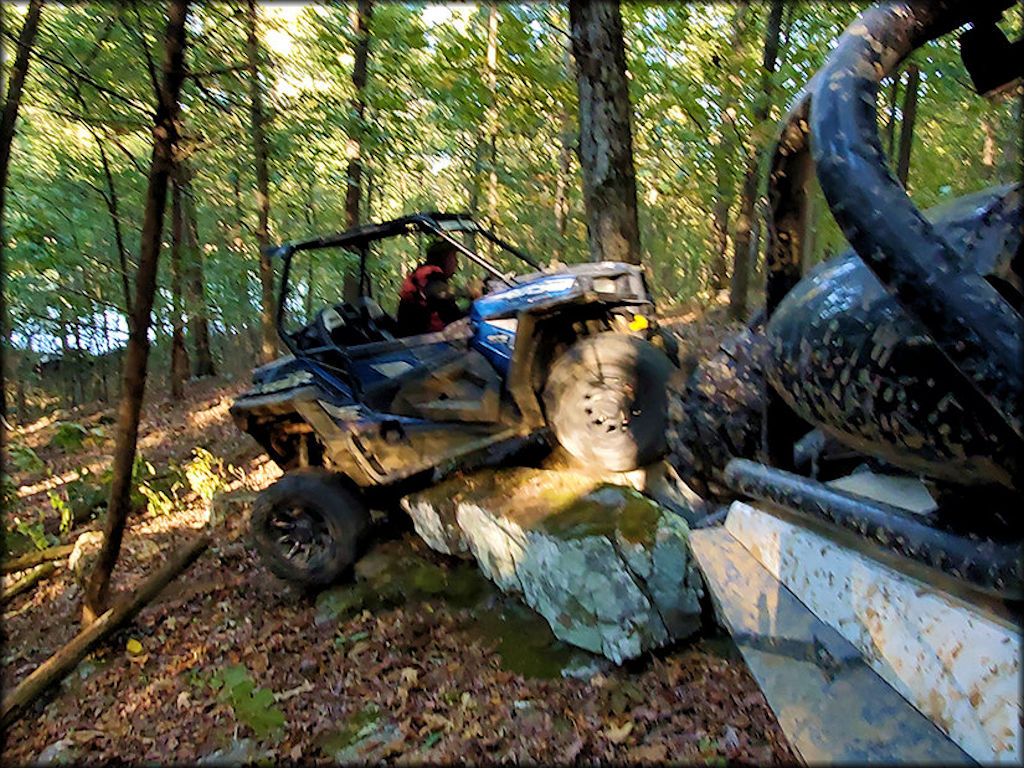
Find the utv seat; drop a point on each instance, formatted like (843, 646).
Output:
(377, 318)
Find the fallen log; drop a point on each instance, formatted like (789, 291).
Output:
(28, 581)
(68, 657)
(35, 558)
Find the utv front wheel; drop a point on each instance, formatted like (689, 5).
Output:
(307, 527)
(606, 401)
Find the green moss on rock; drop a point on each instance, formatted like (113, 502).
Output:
(603, 511)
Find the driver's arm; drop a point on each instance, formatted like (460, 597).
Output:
(441, 298)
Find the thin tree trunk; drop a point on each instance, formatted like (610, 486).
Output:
(198, 316)
(606, 137)
(720, 236)
(890, 123)
(15, 86)
(8, 120)
(907, 126)
(268, 348)
(491, 120)
(566, 140)
(988, 152)
(179, 354)
(748, 196)
(362, 14)
(105, 358)
(165, 135)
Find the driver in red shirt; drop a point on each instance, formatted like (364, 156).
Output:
(426, 301)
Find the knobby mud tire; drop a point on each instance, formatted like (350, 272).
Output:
(316, 501)
(606, 401)
(717, 414)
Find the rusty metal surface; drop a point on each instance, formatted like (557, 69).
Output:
(831, 705)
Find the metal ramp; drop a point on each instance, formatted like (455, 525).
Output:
(861, 662)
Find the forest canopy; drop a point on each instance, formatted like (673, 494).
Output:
(466, 106)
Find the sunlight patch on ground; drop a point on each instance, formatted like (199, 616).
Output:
(188, 514)
(55, 481)
(262, 472)
(41, 423)
(205, 417)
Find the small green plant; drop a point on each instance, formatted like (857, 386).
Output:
(8, 491)
(58, 503)
(24, 459)
(87, 493)
(158, 502)
(205, 474)
(70, 436)
(252, 705)
(35, 533)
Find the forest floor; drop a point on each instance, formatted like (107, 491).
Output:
(419, 660)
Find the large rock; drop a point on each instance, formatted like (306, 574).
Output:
(608, 568)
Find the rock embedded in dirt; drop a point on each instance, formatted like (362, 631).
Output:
(608, 568)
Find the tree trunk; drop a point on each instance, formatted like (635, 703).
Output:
(268, 348)
(890, 123)
(606, 139)
(907, 126)
(32, 559)
(179, 355)
(68, 657)
(988, 152)
(720, 236)
(748, 196)
(195, 278)
(8, 120)
(566, 141)
(491, 121)
(362, 15)
(165, 135)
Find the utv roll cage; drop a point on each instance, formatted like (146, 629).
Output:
(359, 239)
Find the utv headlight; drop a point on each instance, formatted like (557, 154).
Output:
(604, 284)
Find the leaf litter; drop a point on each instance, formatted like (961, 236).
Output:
(230, 664)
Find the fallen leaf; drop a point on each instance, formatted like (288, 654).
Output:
(618, 734)
(86, 735)
(648, 753)
(133, 646)
(303, 687)
(410, 675)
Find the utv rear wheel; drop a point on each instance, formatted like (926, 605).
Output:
(606, 401)
(307, 527)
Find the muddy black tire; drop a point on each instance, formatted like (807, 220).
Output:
(717, 414)
(606, 403)
(308, 527)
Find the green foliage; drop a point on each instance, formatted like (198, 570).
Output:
(696, 89)
(157, 501)
(24, 458)
(8, 491)
(71, 436)
(34, 532)
(205, 474)
(252, 705)
(58, 504)
(87, 493)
